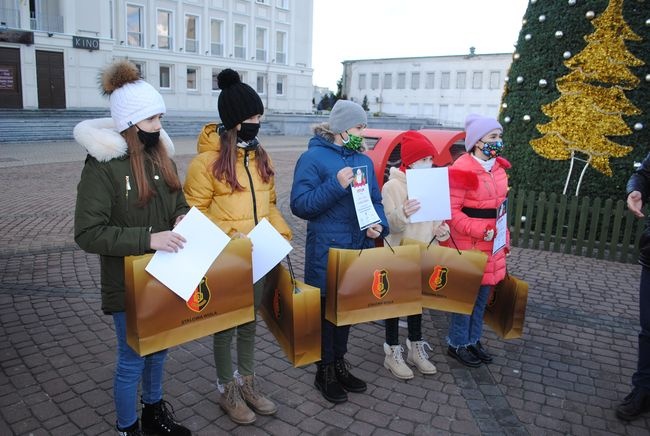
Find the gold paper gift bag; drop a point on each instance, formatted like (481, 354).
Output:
(450, 278)
(291, 311)
(372, 284)
(157, 318)
(506, 307)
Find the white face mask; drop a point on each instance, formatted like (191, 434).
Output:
(420, 165)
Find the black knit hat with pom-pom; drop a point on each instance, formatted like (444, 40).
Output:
(237, 101)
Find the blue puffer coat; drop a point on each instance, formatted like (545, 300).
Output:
(317, 196)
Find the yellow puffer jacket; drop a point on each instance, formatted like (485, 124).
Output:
(231, 210)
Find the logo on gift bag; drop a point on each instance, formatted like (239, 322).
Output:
(200, 297)
(277, 309)
(438, 278)
(380, 285)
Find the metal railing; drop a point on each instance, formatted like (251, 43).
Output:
(47, 23)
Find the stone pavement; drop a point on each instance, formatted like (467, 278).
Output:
(564, 376)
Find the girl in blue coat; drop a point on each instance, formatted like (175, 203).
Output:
(321, 195)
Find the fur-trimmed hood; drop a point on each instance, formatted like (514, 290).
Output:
(103, 142)
(323, 129)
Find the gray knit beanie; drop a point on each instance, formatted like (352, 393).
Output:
(345, 115)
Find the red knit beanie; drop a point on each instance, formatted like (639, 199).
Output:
(415, 146)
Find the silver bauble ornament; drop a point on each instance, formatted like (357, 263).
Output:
(590, 15)
(516, 56)
(504, 105)
(542, 83)
(647, 77)
(559, 34)
(572, 2)
(542, 18)
(638, 126)
(527, 118)
(647, 22)
(520, 79)
(566, 54)
(523, 22)
(528, 36)
(533, 2)
(506, 120)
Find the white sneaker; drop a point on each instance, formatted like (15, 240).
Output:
(394, 362)
(418, 357)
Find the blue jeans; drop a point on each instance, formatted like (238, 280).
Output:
(641, 378)
(334, 339)
(467, 329)
(129, 370)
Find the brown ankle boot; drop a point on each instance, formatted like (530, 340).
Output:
(255, 398)
(233, 404)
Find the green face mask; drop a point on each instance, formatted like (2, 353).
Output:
(353, 143)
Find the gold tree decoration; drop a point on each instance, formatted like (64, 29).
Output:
(592, 101)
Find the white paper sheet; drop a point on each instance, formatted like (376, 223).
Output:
(366, 213)
(430, 186)
(269, 248)
(501, 227)
(182, 271)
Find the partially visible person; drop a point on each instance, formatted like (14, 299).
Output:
(478, 186)
(637, 402)
(129, 199)
(232, 182)
(416, 152)
(321, 194)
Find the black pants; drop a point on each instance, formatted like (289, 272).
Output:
(641, 377)
(334, 339)
(414, 326)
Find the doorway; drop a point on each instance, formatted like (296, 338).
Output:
(11, 90)
(50, 80)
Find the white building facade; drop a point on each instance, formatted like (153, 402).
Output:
(444, 88)
(52, 51)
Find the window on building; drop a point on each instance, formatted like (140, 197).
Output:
(134, 26)
(495, 79)
(415, 80)
(362, 81)
(192, 84)
(374, 81)
(461, 78)
(215, 82)
(262, 2)
(240, 41)
(388, 80)
(260, 44)
(280, 85)
(401, 80)
(281, 48)
(165, 77)
(477, 80)
(283, 4)
(216, 37)
(429, 80)
(444, 79)
(243, 75)
(191, 34)
(260, 86)
(164, 30)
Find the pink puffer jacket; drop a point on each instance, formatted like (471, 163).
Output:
(473, 187)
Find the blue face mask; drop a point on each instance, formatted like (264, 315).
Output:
(492, 149)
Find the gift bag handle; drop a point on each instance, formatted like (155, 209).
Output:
(385, 242)
(296, 290)
(452, 240)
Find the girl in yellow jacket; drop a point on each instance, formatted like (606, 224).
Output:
(231, 181)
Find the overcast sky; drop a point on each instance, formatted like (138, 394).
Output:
(369, 29)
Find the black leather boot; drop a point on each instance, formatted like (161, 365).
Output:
(327, 384)
(132, 430)
(480, 352)
(636, 403)
(464, 356)
(349, 382)
(157, 419)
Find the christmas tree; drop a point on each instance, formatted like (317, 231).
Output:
(576, 104)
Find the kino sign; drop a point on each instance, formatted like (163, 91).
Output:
(84, 42)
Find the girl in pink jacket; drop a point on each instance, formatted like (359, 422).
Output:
(478, 187)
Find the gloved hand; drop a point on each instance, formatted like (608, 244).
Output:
(489, 233)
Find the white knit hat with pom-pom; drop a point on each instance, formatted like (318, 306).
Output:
(132, 99)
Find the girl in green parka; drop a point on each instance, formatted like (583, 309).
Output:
(128, 200)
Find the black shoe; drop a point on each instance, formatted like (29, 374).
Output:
(636, 403)
(132, 430)
(349, 382)
(478, 351)
(327, 384)
(464, 356)
(157, 419)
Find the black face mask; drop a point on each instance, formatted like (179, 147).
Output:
(248, 131)
(149, 139)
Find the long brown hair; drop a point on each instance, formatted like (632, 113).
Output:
(225, 166)
(155, 157)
